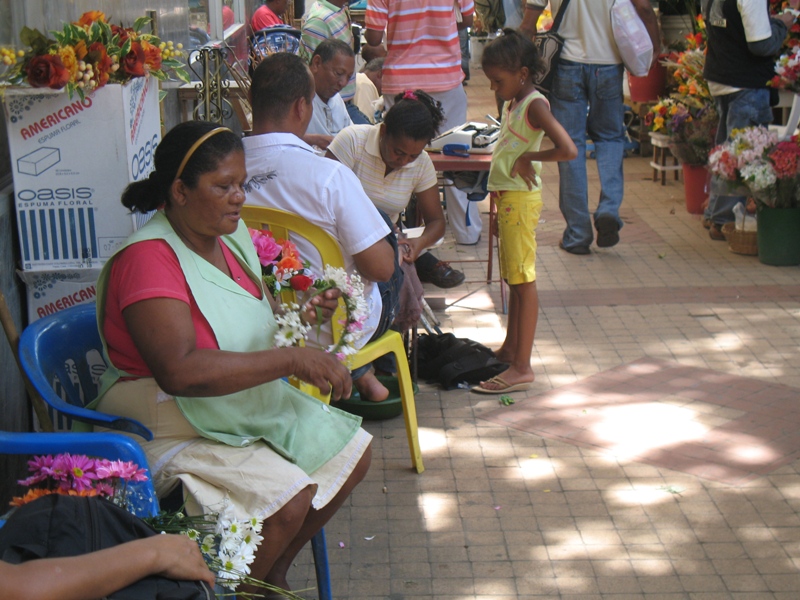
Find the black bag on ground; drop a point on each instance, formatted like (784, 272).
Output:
(448, 360)
(60, 526)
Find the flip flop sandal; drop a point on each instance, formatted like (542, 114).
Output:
(505, 389)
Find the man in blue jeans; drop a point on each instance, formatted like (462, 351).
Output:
(586, 98)
(743, 42)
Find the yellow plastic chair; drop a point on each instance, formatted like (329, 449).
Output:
(281, 224)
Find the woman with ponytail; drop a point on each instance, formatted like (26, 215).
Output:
(188, 327)
(390, 161)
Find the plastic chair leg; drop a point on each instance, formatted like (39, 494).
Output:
(409, 408)
(320, 551)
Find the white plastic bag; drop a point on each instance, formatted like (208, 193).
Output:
(633, 42)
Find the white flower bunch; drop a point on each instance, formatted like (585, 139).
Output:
(759, 174)
(291, 329)
(231, 548)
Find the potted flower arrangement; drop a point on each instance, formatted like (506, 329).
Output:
(689, 117)
(755, 163)
(90, 53)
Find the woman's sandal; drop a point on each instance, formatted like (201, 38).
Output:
(505, 387)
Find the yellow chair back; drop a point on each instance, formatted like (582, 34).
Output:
(281, 224)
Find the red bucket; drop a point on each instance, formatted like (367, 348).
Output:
(695, 185)
(650, 87)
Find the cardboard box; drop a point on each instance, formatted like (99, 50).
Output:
(49, 292)
(71, 160)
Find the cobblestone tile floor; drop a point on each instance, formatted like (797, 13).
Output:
(654, 457)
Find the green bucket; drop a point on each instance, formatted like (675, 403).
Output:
(377, 411)
(779, 236)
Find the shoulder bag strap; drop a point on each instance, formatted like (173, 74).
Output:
(559, 15)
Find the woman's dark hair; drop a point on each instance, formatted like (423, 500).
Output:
(153, 192)
(415, 115)
(512, 51)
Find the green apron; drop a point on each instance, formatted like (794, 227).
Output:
(300, 428)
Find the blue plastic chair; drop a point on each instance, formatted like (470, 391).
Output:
(113, 446)
(62, 355)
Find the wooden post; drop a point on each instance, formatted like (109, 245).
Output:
(10, 328)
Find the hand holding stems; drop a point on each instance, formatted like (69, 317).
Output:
(323, 370)
(320, 308)
(179, 557)
(410, 248)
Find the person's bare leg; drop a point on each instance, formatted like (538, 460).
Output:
(370, 388)
(509, 347)
(278, 531)
(316, 519)
(519, 371)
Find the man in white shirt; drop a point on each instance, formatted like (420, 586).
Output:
(589, 73)
(368, 88)
(284, 172)
(332, 65)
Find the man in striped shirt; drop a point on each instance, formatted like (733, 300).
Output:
(330, 20)
(423, 52)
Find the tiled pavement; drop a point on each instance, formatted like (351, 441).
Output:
(655, 456)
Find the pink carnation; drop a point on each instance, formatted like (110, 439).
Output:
(267, 248)
(785, 158)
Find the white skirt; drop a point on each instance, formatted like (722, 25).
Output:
(255, 480)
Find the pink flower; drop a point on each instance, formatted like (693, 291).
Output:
(103, 489)
(59, 470)
(267, 248)
(123, 470)
(81, 471)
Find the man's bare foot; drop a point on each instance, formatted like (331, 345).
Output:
(370, 388)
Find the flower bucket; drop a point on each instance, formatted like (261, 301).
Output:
(650, 87)
(779, 236)
(695, 186)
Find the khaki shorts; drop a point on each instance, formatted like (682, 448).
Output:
(517, 218)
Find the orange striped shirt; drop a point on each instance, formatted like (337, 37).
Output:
(422, 43)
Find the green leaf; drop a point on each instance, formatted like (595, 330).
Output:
(162, 94)
(140, 23)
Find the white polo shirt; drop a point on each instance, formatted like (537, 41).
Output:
(357, 147)
(283, 172)
(330, 118)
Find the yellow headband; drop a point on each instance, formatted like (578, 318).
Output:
(195, 146)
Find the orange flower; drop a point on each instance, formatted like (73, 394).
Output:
(30, 496)
(90, 17)
(102, 62)
(70, 60)
(82, 493)
(152, 55)
(290, 263)
(80, 50)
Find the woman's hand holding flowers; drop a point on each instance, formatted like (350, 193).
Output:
(323, 370)
(321, 307)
